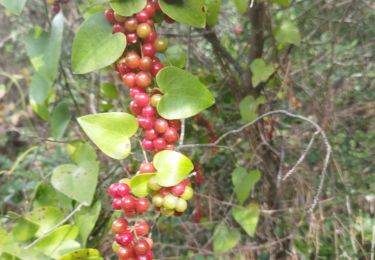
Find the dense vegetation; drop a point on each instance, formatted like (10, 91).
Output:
(187, 129)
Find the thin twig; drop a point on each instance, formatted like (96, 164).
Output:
(284, 112)
(71, 214)
(301, 158)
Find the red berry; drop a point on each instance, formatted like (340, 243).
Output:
(142, 205)
(169, 147)
(171, 135)
(148, 50)
(151, 37)
(151, 23)
(141, 247)
(147, 145)
(131, 38)
(142, 17)
(155, 68)
(151, 134)
(163, 191)
(118, 28)
(136, 90)
(135, 108)
(147, 167)
(123, 190)
(160, 125)
(179, 189)
(150, 10)
(159, 143)
(150, 242)
(156, 4)
(132, 60)
(145, 63)
(123, 69)
(129, 79)
(143, 79)
(110, 15)
(128, 203)
(148, 111)
(176, 124)
(126, 252)
(187, 182)
(145, 122)
(142, 99)
(142, 228)
(126, 238)
(116, 203)
(131, 24)
(119, 226)
(112, 190)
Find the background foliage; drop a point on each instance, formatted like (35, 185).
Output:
(313, 58)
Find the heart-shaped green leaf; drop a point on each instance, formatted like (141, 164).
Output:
(213, 11)
(59, 241)
(175, 56)
(94, 46)
(45, 217)
(190, 12)
(77, 181)
(249, 107)
(45, 195)
(139, 184)
(287, 33)
(82, 254)
(172, 167)
(261, 71)
(225, 239)
(110, 132)
(85, 219)
(244, 182)
(184, 95)
(44, 48)
(14, 6)
(247, 217)
(127, 7)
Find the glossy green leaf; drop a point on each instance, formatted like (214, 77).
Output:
(59, 242)
(190, 12)
(184, 95)
(77, 181)
(260, 71)
(127, 7)
(110, 132)
(82, 254)
(24, 230)
(44, 48)
(85, 219)
(45, 217)
(175, 56)
(14, 6)
(172, 167)
(94, 46)
(241, 5)
(287, 33)
(213, 11)
(108, 90)
(249, 107)
(247, 217)
(244, 182)
(60, 120)
(139, 184)
(225, 238)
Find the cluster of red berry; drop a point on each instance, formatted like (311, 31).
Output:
(129, 240)
(56, 5)
(137, 69)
